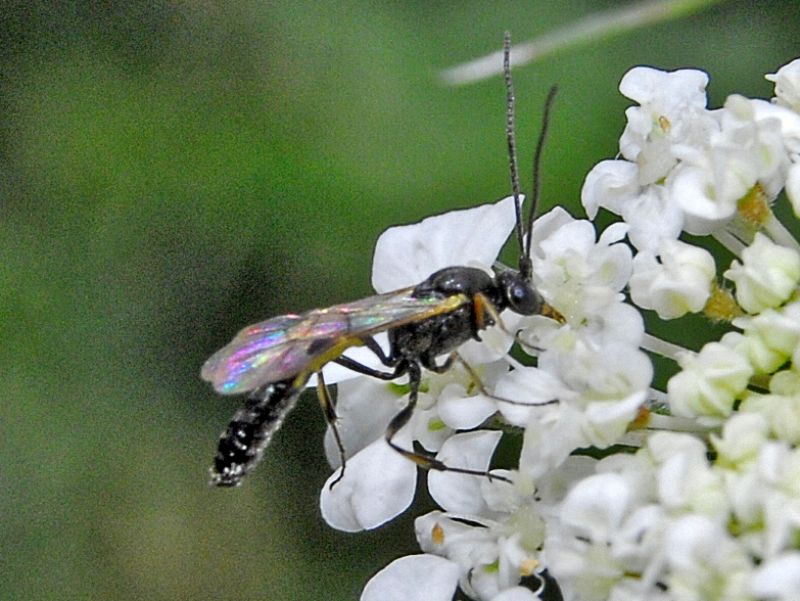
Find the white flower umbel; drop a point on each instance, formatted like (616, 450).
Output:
(696, 493)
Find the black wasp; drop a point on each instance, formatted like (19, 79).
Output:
(274, 360)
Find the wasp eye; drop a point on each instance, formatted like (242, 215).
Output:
(523, 299)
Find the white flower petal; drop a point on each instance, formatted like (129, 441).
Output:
(549, 441)
(610, 184)
(597, 506)
(518, 593)
(406, 255)
(788, 119)
(778, 579)
(653, 216)
(743, 435)
(686, 481)
(462, 412)
(414, 578)
(532, 391)
(364, 406)
(460, 493)
(674, 90)
(547, 225)
(692, 189)
(705, 561)
(378, 485)
(441, 534)
(494, 343)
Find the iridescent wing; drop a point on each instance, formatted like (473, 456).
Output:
(285, 346)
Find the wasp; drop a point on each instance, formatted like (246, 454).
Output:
(274, 360)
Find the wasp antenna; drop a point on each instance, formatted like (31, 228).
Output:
(512, 142)
(537, 163)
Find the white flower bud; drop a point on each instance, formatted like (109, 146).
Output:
(685, 481)
(710, 381)
(781, 412)
(793, 187)
(678, 283)
(781, 408)
(609, 184)
(787, 85)
(705, 561)
(762, 357)
(767, 276)
(743, 435)
(771, 337)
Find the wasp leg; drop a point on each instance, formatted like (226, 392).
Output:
(360, 368)
(328, 408)
(401, 419)
(387, 360)
(329, 411)
(486, 314)
(485, 392)
(482, 307)
(430, 363)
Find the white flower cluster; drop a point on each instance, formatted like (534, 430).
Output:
(697, 496)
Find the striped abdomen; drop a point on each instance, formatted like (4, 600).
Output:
(242, 443)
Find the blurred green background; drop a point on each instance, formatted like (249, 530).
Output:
(171, 171)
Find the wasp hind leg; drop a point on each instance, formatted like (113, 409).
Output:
(329, 411)
(401, 419)
(366, 370)
(326, 402)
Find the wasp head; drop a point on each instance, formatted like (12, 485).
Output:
(518, 293)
